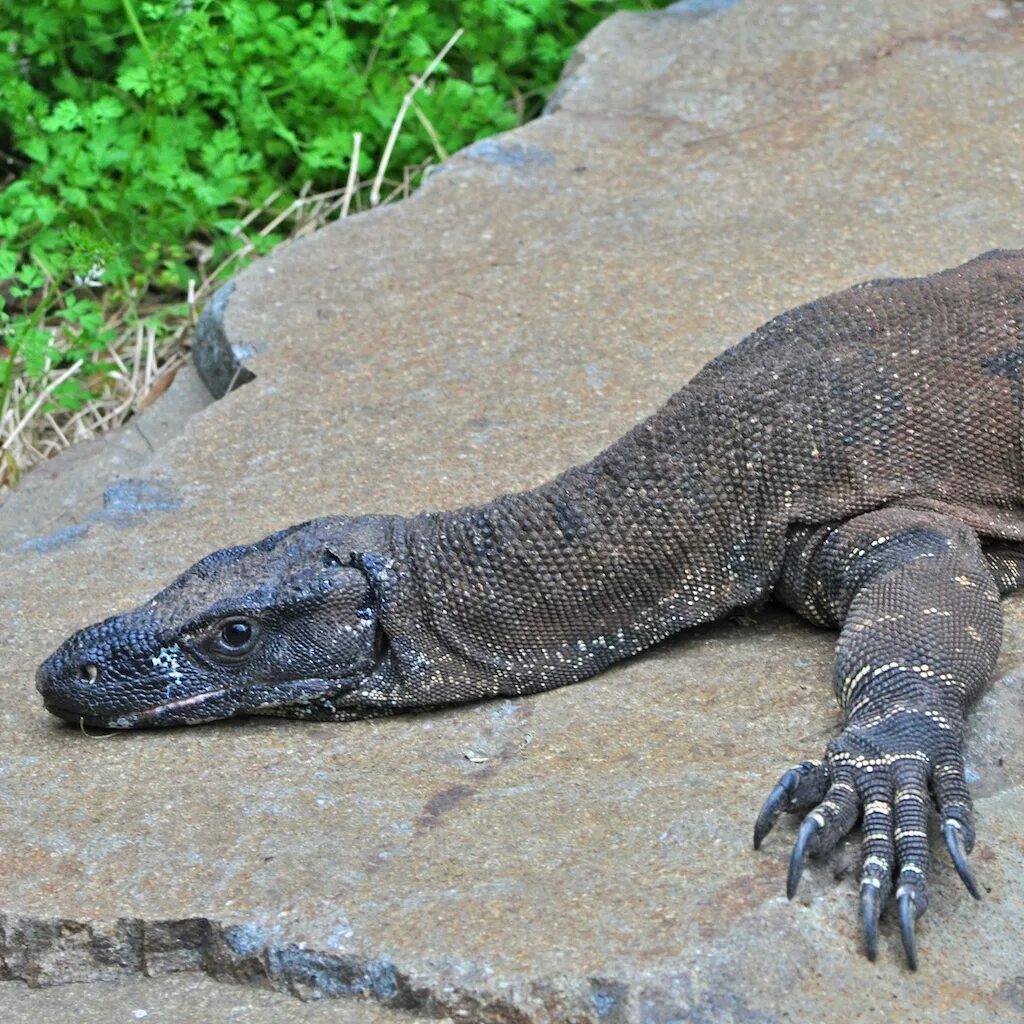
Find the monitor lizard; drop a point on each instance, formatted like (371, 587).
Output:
(859, 458)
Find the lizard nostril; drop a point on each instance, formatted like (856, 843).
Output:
(88, 672)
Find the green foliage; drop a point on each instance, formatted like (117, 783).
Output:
(142, 131)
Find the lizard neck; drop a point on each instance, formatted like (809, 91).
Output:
(548, 586)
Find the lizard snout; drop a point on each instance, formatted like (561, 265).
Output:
(102, 673)
(66, 680)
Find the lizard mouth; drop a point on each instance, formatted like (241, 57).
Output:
(73, 716)
(147, 716)
(228, 702)
(171, 710)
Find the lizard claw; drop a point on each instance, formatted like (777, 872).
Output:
(952, 832)
(811, 826)
(800, 788)
(870, 909)
(773, 807)
(905, 901)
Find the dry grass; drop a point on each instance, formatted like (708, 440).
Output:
(145, 360)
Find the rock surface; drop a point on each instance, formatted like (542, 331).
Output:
(584, 854)
(104, 478)
(178, 999)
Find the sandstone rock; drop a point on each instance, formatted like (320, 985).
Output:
(584, 854)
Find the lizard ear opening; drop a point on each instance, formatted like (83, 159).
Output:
(332, 561)
(374, 567)
(377, 572)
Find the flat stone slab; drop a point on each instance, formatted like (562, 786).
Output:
(178, 999)
(583, 854)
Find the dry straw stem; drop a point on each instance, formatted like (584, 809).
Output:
(407, 99)
(353, 174)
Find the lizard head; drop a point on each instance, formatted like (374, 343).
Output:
(289, 621)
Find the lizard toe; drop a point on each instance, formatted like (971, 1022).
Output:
(893, 792)
(949, 789)
(827, 822)
(894, 843)
(952, 832)
(796, 792)
(910, 909)
(907, 917)
(809, 829)
(870, 911)
(824, 792)
(878, 851)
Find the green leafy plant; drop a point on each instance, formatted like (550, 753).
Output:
(152, 144)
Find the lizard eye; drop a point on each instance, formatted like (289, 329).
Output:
(233, 638)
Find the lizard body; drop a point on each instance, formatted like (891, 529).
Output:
(861, 458)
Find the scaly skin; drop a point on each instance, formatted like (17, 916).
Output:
(860, 457)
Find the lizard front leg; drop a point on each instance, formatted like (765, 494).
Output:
(921, 625)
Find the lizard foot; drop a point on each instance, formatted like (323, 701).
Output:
(882, 772)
